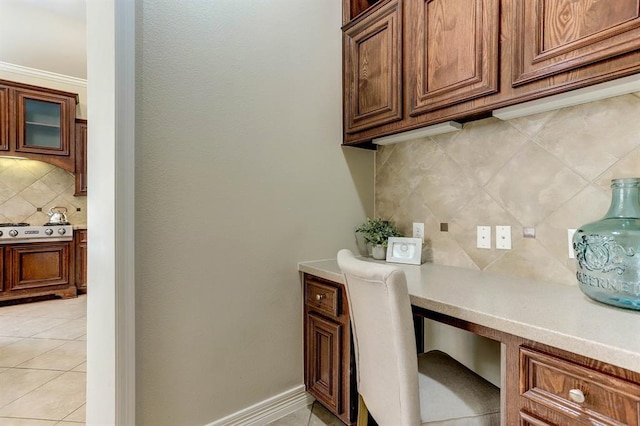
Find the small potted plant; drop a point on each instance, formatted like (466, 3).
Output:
(376, 233)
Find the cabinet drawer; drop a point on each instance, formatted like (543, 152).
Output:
(559, 385)
(322, 297)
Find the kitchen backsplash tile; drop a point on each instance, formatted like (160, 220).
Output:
(550, 171)
(26, 185)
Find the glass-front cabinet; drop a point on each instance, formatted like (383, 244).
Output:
(45, 123)
(38, 123)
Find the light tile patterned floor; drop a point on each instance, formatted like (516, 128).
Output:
(43, 363)
(313, 415)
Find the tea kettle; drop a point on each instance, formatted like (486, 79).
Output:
(57, 215)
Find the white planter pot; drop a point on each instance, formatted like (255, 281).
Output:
(379, 252)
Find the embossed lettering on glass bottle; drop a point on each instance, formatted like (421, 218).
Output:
(608, 251)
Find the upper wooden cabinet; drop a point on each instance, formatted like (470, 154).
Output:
(461, 59)
(38, 123)
(554, 36)
(81, 157)
(452, 52)
(373, 69)
(4, 118)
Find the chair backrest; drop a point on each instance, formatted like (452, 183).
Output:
(384, 340)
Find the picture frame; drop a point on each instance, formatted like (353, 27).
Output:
(404, 250)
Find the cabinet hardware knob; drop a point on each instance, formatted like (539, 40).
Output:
(319, 297)
(576, 395)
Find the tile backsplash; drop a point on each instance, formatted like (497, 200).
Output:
(550, 171)
(26, 185)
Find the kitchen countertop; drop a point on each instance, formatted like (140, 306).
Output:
(553, 314)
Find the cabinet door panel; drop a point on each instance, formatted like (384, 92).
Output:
(323, 356)
(373, 60)
(44, 122)
(553, 36)
(4, 118)
(81, 157)
(452, 52)
(35, 266)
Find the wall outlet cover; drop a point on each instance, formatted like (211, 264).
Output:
(484, 237)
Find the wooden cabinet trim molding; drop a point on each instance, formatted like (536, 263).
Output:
(548, 43)
(452, 52)
(373, 69)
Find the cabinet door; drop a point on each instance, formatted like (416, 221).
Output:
(452, 52)
(44, 122)
(81, 157)
(323, 357)
(372, 69)
(35, 266)
(3, 287)
(553, 36)
(81, 260)
(4, 118)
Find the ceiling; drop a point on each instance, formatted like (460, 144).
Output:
(54, 40)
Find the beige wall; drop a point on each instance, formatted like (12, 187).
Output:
(549, 171)
(240, 176)
(44, 35)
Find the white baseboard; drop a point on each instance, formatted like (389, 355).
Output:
(268, 410)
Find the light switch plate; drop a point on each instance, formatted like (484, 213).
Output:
(570, 233)
(484, 237)
(503, 237)
(418, 230)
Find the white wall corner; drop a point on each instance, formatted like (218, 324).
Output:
(270, 409)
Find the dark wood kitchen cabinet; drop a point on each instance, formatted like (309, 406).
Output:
(81, 157)
(38, 269)
(569, 390)
(38, 123)
(551, 37)
(461, 59)
(329, 368)
(452, 53)
(80, 242)
(4, 118)
(372, 69)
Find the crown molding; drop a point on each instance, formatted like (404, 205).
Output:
(46, 75)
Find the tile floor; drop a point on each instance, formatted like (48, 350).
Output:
(313, 415)
(43, 363)
(43, 368)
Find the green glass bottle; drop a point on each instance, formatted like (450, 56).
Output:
(608, 251)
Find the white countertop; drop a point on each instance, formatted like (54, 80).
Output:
(554, 314)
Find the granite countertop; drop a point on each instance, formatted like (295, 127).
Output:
(554, 314)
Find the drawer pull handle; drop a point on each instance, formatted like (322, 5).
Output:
(319, 297)
(576, 395)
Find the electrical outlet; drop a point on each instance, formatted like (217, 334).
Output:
(418, 230)
(570, 233)
(503, 237)
(484, 237)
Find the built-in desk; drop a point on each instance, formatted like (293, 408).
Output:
(554, 340)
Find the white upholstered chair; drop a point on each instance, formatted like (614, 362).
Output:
(396, 385)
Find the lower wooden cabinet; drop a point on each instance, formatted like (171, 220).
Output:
(558, 391)
(543, 385)
(329, 364)
(80, 242)
(37, 269)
